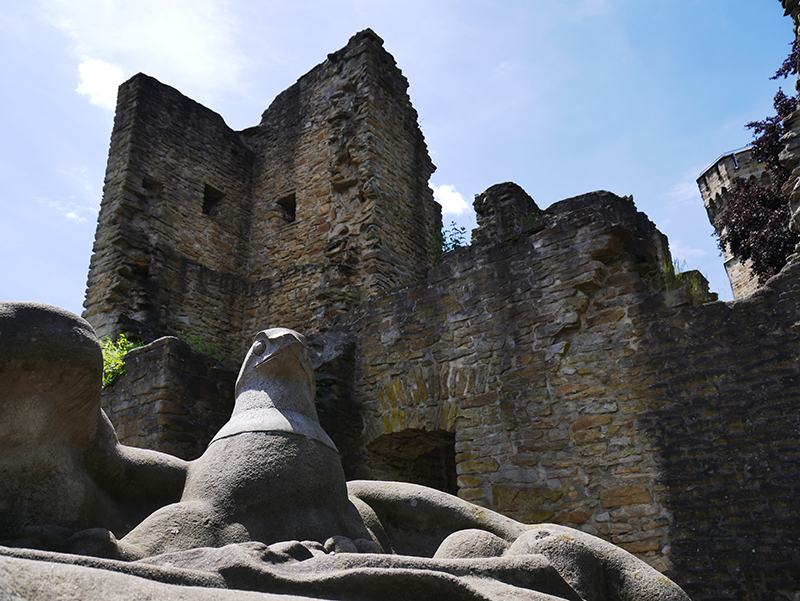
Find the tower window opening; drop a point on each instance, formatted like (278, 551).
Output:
(211, 200)
(287, 207)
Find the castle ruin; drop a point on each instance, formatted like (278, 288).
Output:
(551, 371)
(323, 204)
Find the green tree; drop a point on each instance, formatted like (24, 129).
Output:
(754, 223)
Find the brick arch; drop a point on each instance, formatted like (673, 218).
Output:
(425, 398)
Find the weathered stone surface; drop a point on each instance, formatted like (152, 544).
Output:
(324, 203)
(532, 343)
(270, 474)
(525, 503)
(167, 154)
(541, 566)
(668, 401)
(61, 467)
(333, 359)
(632, 494)
(501, 211)
(471, 543)
(171, 399)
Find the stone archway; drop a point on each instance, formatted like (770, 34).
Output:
(418, 456)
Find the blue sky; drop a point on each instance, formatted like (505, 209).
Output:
(560, 96)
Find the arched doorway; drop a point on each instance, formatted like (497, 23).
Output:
(417, 456)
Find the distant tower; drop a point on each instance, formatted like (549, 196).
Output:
(715, 183)
(289, 223)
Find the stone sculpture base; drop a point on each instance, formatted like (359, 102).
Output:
(293, 570)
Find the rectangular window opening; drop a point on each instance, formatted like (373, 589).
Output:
(211, 200)
(287, 207)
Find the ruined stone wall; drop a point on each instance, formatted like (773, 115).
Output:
(171, 245)
(174, 399)
(725, 427)
(393, 177)
(527, 350)
(220, 234)
(342, 205)
(170, 398)
(580, 391)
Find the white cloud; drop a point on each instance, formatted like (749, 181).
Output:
(503, 69)
(682, 252)
(190, 44)
(99, 81)
(72, 216)
(684, 194)
(81, 200)
(71, 211)
(452, 202)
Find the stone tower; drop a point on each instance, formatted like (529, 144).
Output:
(220, 233)
(715, 183)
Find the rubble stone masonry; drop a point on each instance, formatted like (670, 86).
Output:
(550, 375)
(553, 370)
(527, 350)
(580, 391)
(342, 207)
(171, 245)
(220, 234)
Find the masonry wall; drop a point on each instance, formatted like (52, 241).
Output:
(579, 390)
(341, 149)
(220, 234)
(173, 399)
(170, 399)
(171, 245)
(725, 426)
(526, 350)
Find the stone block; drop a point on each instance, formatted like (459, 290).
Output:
(578, 516)
(478, 466)
(590, 422)
(507, 498)
(642, 546)
(469, 482)
(628, 494)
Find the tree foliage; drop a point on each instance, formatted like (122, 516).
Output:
(766, 145)
(754, 223)
(789, 66)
